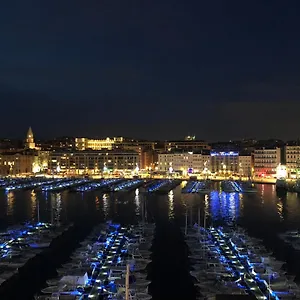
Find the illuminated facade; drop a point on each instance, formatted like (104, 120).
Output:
(266, 161)
(184, 162)
(292, 159)
(245, 165)
(224, 162)
(143, 148)
(30, 144)
(17, 163)
(186, 145)
(96, 144)
(91, 162)
(148, 159)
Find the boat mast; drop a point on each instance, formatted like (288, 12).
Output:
(51, 207)
(127, 283)
(199, 217)
(186, 221)
(199, 223)
(191, 215)
(38, 210)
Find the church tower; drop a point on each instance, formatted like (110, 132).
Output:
(30, 144)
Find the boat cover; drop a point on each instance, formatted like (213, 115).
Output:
(75, 280)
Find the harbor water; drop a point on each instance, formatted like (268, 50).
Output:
(264, 214)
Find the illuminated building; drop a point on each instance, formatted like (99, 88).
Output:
(143, 148)
(92, 162)
(266, 161)
(292, 160)
(96, 144)
(17, 163)
(224, 162)
(30, 144)
(148, 159)
(245, 165)
(190, 138)
(183, 162)
(186, 145)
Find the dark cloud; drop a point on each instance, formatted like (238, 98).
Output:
(158, 69)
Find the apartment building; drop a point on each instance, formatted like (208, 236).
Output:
(96, 144)
(17, 163)
(266, 161)
(186, 145)
(182, 162)
(245, 165)
(92, 162)
(292, 160)
(224, 162)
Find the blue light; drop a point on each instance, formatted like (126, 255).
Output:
(231, 153)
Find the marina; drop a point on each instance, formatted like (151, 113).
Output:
(227, 261)
(126, 186)
(20, 244)
(96, 185)
(217, 265)
(109, 263)
(162, 186)
(202, 186)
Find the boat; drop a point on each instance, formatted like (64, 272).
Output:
(248, 187)
(106, 262)
(297, 186)
(281, 184)
(229, 186)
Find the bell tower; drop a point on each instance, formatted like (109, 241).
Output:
(30, 144)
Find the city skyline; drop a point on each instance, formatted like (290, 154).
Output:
(187, 137)
(156, 70)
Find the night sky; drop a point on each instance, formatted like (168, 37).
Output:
(157, 69)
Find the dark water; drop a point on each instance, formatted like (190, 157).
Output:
(265, 209)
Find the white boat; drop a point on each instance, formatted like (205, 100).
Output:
(39, 245)
(54, 288)
(53, 281)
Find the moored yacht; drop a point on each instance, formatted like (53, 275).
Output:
(281, 184)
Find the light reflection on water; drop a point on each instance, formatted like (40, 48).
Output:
(105, 199)
(97, 202)
(265, 207)
(280, 210)
(33, 203)
(171, 204)
(137, 202)
(241, 196)
(55, 207)
(224, 206)
(10, 198)
(206, 205)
